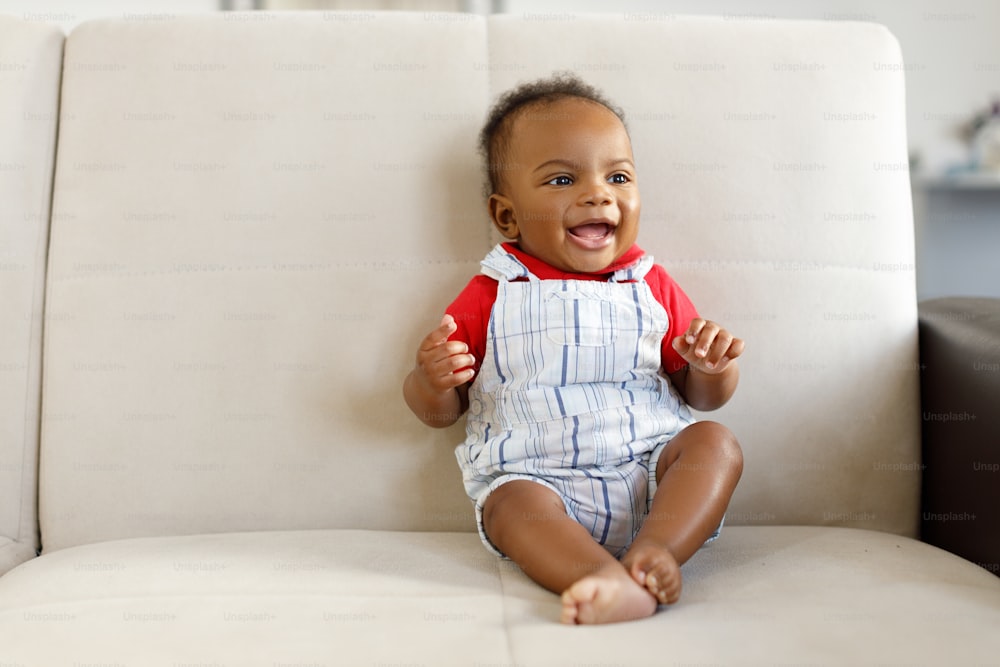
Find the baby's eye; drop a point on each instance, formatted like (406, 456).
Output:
(619, 179)
(561, 180)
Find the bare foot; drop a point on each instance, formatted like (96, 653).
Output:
(607, 596)
(653, 567)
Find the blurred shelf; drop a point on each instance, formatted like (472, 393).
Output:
(980, 181)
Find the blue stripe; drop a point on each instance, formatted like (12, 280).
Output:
(631, 430)
(559, 401)
(565, 351)
(607, 512)
(496, 344)
(565, 368)
(640, 325)
(576, 442)
(500, 454)
(576, 321)
(635, 364)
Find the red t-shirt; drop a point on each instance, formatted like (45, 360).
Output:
(472, 308)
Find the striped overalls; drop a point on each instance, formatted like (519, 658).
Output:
(570, 395)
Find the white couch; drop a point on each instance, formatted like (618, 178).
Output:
(255, 217)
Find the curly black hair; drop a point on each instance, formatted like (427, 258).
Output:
(494, 138)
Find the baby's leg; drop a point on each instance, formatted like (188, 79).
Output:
(528, 523)
(696, 476)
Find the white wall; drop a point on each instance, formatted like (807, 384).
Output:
(67, 13)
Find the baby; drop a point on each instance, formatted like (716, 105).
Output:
(575, 358)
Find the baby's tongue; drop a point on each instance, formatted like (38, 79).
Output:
(591, 230)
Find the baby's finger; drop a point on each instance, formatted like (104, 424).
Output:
(693, 330)
(735, 349)
(442, 356)
(440, 334)
(717, 349)
(451, 371)
(706, 338)
(455, 362)
(726, 349)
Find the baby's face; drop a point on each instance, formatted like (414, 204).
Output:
(569, 193)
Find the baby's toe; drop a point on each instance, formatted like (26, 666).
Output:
(665, 584)
(577, 601)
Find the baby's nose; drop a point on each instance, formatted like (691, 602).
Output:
(597, 193)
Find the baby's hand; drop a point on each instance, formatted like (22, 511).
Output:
(440, 362)
(707, 346)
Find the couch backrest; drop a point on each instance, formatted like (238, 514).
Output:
(30, 63)
(775, 184)
(256, 218)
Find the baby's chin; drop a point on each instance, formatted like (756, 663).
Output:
(571, 256)
(598, 261)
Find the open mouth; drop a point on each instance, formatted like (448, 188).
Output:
(592, 235)
(592, 230)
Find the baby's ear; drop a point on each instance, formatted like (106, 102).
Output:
(502, 215)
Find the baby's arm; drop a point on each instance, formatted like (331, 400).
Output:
(437, 388)
(712, 374)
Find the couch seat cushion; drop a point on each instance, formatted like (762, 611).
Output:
(758, 594)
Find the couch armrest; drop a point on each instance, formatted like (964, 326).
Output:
(960, 395)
